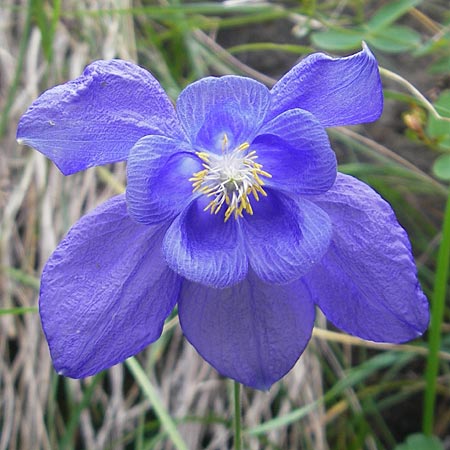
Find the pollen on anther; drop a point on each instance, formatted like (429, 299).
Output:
(229, 179)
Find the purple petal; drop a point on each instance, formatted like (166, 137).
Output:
(252, 332)
(158, 172)
(211, 107)
(97, 118)
(285, 238)
(294, 148)
(203, 248)
(338, 91)
(105, 291)
(367, 284)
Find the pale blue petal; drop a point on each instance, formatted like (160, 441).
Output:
(338, 91)
(252, 332)
(97, 118)
(105, 291)
(232, 105)
(285, 238)
(158, 172)
(294, 149)
(367, 282)
(203, 248)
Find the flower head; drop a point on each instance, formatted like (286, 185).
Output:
(233, 210)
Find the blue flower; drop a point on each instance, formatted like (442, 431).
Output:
(233, 210)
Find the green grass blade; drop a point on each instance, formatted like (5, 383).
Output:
(22, 278)
(159, 409)
(269, 46)
(437, 315)
(4, 119)
(354, 376)
(18, 311)
(284, 420)
(68, 439)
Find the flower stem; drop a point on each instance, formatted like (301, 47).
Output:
(237, 416)
(437, 314)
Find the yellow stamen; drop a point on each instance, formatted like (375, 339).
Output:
(230, 179)
(224, 143)
(243, 147)
(203, 156)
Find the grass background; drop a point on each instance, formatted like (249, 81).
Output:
(343, 393)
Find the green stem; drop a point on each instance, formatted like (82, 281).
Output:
(237, 416)
(437, 315)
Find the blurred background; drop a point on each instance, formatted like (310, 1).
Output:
(343, 393)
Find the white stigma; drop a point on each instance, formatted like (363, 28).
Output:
(229, 179)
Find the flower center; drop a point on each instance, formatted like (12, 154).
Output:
(230, 179)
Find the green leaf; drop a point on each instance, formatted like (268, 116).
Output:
(441, 66)
(390, 13)
(438, 129)
(441, 167)
(442, 104)
(420, 442)
(394, 39)
(341, 39)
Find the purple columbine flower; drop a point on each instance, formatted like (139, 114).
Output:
(233, 210)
